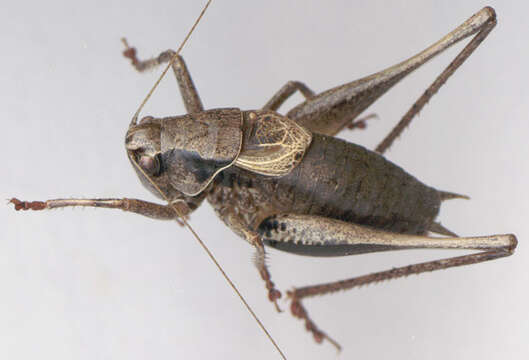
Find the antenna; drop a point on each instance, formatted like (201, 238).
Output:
(173, 59)
(195, 235)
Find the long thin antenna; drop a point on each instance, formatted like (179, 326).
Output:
(173, 59)
(212, 257)
(183, 219)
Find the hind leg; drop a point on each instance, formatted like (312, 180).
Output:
(332, 110)
(317, 234)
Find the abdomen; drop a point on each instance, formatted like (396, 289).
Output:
(347, 182)
(335, 179)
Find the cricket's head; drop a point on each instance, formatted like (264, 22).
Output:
(144, 152)
(182, 154)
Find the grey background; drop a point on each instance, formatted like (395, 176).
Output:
(102, 284)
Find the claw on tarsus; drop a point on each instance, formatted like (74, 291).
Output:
(130, 52)
(362, 122)
(299, 311)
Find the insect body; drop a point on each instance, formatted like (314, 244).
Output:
(285, 181)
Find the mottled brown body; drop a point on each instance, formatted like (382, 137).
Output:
(335, 179)
(285, 181)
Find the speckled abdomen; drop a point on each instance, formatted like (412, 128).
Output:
(345, 181)
(335, 179)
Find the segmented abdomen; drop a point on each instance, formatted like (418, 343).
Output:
(335, 179)
(345, 181)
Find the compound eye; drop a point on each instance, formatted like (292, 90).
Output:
(150, 164)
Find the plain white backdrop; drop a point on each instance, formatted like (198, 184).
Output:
(102, 284)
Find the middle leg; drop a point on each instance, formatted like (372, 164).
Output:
(260, 263)
(292, 86)
(234, 220)
(287, 91)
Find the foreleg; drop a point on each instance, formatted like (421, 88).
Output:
(188, 90)
(145, 208)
